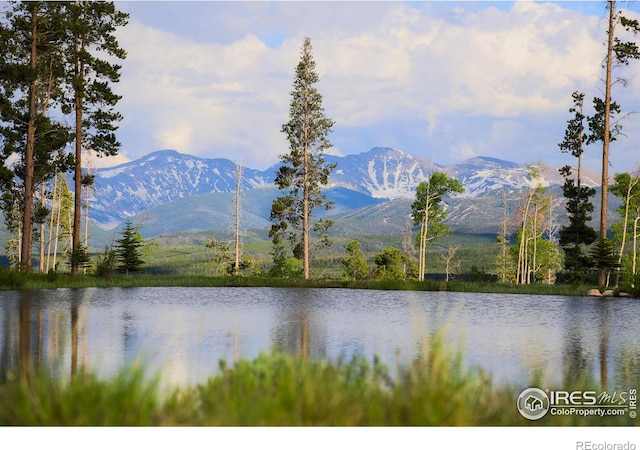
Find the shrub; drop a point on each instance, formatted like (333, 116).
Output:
(106, 264)
(284, 267)
(354, 264)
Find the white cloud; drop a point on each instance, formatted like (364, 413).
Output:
(414, 77)
(107, 161)
(199, 98)
(505, 64)
(464, 150)
(175, 136)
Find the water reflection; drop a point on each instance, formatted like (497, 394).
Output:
(604, 330)
(39, 335)
(296, 331)
(600, 342)
(579, 352)
(184, 333)
(24, 340)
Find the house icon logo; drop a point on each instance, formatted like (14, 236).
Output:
(533, 403)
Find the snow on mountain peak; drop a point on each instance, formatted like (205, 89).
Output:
(382, 172)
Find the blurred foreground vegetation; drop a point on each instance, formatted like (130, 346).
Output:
(278, 389)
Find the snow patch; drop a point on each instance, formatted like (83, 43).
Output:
(110, 173)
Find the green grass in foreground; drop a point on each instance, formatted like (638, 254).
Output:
(16, 280)
(277, 389)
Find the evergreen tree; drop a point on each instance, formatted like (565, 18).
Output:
(304, 170)
(429, 213)
(30, 75)
(354, 264)
(128, 249)
(389, 264)
(392, 264)
(577, 234)
(604, 258)
(12, 208)
(79, 258)
(284, 267)
(91, 48)
(618, 53)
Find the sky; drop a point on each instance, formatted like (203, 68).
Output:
(444, 81)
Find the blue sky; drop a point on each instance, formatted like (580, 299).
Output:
(445, 81)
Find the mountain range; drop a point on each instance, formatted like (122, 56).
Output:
(165, 176)
(179, 192)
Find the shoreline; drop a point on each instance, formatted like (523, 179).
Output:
(19, 281)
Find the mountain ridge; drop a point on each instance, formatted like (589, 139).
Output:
(381, 173)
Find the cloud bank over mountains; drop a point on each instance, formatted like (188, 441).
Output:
(446, 81)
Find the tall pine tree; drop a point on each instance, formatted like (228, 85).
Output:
(354, 264)
(30, 76)
(128, 249)
(304, 170)
(619, 53)
(90, 49)
(577, 234)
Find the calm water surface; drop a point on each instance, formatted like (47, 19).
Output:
(184, 332)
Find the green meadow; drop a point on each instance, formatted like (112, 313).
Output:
(10, 280)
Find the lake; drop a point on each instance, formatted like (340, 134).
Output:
(184, 332)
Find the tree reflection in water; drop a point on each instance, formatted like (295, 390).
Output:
(295, 332)
(38, 335)
(64, 332)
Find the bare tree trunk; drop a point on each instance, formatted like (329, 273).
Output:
(602, 271)
(535, 242)
(522, 269)
(579, 176)
(625, 222)
(57, 235)
(19, 252)
(236, 267)
(635, 247)
(421, 256)
(86, 220)
(450, 265)
(424, 228)
(305, 207)
(77, 177)
(42, 233)
(407, 245)
(504, 238)
(27, 218)
(51, 215)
